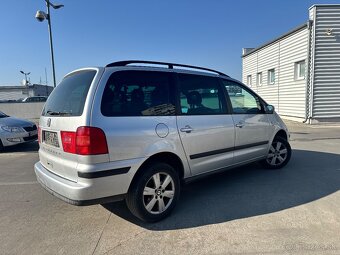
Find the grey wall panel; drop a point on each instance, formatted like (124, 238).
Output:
(11, 94)
(288, 95)
(292, 92)
(326, 86)
(23, 110)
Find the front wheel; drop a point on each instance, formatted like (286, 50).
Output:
(278, 155)
(154, 194)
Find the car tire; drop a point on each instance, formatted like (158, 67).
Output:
(1, 146)
(278, 155)
(154, 193)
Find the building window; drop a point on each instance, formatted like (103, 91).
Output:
(300, 70)
(271, 76)
(249, 80)
(259, 79)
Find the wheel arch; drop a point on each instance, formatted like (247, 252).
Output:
(163, 157)
(281, 133)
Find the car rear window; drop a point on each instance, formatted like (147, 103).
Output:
(138, 93)
(68, 98)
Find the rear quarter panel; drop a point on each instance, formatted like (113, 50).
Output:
(135, 136)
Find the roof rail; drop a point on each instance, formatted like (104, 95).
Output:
(170, 65)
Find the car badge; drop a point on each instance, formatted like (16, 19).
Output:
(49, 122)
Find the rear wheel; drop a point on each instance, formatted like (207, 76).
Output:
(1, 146)
(154, 194)
(278, 155)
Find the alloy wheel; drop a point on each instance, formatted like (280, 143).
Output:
(277, 153)
(158, 193)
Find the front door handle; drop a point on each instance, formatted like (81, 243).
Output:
(240, 124)
(187, 129)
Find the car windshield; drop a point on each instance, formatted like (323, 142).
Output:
(2, 115)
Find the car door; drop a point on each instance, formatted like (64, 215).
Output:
(205, 128)
(252, 128)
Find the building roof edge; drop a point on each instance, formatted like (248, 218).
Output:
(277, 39)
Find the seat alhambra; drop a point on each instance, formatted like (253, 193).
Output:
(139, 130)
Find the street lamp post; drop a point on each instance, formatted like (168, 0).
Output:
(41, 16)
(26, 81)
(26, 74)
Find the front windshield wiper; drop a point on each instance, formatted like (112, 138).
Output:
(51, 113)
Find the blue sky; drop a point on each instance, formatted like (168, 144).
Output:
(95, 33)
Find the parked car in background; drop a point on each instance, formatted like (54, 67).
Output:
(15, 131)
(11, 100)
(34, 99)
(139, 132)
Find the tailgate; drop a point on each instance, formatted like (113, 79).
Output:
(52, 155)
(66, 109)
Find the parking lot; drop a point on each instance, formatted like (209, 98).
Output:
(248, 210)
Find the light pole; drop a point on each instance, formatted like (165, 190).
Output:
(41, 16)
(26, 81)
(26, 74)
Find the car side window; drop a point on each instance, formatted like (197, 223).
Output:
(241, 99)
(200, 95)
(138, 93)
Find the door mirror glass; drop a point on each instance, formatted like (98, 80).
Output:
(270, 109)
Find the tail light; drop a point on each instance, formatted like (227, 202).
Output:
(39, 135)
(85, 141)
(68, 140)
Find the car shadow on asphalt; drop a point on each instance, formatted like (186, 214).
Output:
(248, 191)
(23, 147)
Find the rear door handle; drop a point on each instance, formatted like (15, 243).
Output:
(187, 129)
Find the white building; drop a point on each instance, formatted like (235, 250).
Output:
(299, 72)
(14, 93)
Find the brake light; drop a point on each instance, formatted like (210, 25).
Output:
(85, 141)
(39, 135)
(68, 140)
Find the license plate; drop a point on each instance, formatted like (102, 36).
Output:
(51, 138)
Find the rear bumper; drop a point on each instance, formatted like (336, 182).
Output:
(85, 191)
(102, 200)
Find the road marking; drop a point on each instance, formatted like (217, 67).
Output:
(17, 183)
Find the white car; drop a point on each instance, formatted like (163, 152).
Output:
(15, 131)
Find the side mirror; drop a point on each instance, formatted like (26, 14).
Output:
(270, 109)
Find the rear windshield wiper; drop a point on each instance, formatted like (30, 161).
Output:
(57, 113)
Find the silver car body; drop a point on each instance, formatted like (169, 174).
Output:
(26, 131)
(133, 140)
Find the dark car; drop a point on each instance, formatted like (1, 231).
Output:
(35, 99)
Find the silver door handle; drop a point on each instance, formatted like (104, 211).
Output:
(240, 125)
(187, 129)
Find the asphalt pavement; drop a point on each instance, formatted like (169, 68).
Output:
(249, 210)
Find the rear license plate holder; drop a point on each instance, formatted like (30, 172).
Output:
(51, 138)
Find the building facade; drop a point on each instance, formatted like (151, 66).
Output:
(299, 72)
(15, 93)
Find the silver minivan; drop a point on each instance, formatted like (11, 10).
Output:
(139, 130)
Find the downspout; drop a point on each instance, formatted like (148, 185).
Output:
(257, 71)
(310, 72)
(278, 78)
